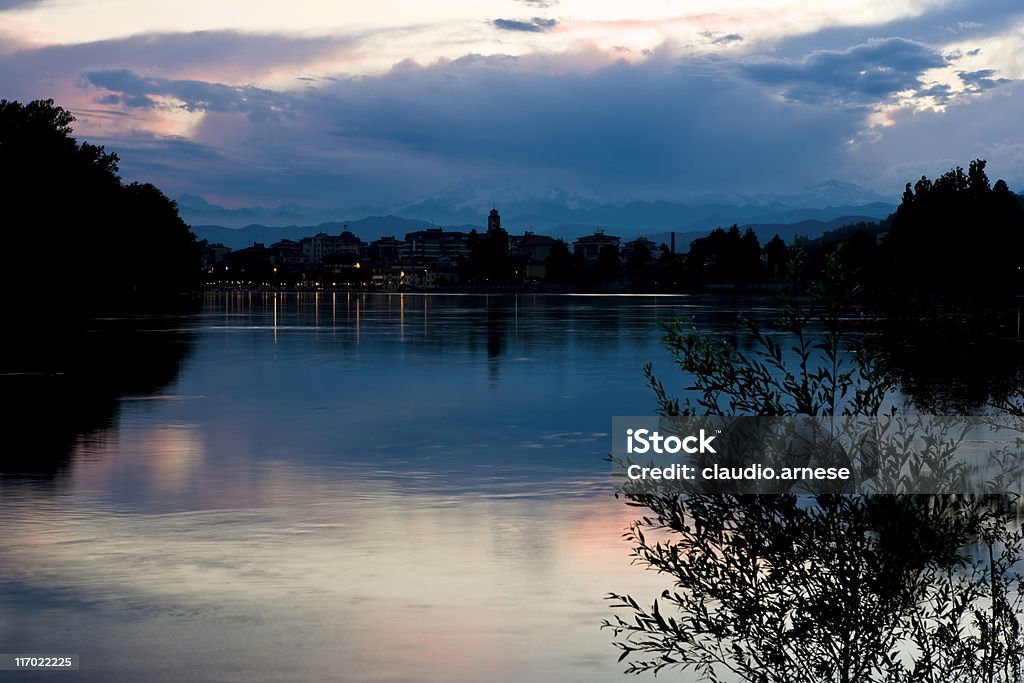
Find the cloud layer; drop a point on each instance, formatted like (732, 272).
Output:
(271, 118)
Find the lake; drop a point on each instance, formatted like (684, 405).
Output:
(348, 486)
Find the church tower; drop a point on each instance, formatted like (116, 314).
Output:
(493, 221)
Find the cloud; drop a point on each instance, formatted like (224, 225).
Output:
(621, 131)
(939, 92)
(131, 90)
(14, 4)
(535, 25)
(867, 72)
(717, 38)
(929, 142)
(544, 4)
(981, 79)
(258, 117)
(208, 55)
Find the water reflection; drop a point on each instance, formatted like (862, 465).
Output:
(805, 588)
(956, 359)
(329, 578)
(353, 487)
(69, 387)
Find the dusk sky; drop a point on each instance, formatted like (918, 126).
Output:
(350, 104)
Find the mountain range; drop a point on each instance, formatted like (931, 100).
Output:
(820, 208)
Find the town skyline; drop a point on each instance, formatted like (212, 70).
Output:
(345, 106)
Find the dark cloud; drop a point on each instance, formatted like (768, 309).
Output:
(14, 4)
(534, 25)
(131, 90)
(722, 39)
(867, 72)
(653, 129)
(621, 131)
(940, 92)
(982, 79)
(643, 128)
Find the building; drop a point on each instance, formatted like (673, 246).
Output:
(629, 248)
(434, 246)
(286, 255)
(213, 255)
(531, 253)
(386, 251)
(321, 246)
(589, 247)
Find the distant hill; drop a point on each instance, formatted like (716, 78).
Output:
(808, 228)
(812, 229)
(557, 214)
(369, 228)
(375, 227)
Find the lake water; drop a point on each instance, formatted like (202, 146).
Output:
(350, 487)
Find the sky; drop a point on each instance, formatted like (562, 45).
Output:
(379, 104)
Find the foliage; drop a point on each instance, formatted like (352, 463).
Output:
(956, 235)
(726, 256)
(794, 588)
(560, 267)
(75, 230)
(489, 259)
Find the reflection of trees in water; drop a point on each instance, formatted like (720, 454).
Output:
(69, 379)
(955, 359)
(803, 588)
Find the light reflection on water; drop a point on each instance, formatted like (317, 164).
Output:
(348, 487)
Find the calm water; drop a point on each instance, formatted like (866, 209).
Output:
(348, 487)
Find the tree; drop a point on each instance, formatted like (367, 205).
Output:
(955, 236)
(560, 266)
(75, 231)
(810, 588)
(776, 255)
(725, 256)
(608, 263)
(639, 257)
(489, 260)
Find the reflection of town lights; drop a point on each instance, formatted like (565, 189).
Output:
(358, 265)
(401, 273)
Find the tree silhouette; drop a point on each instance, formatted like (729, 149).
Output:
(75, 231)
(607, 268)
(725, 256)
(810, 588)
(956, 236)
(80, 248)
(560, 266)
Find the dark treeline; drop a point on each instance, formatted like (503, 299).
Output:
(76, 230)
(82, 244)
(958, 237)
(89, 258)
